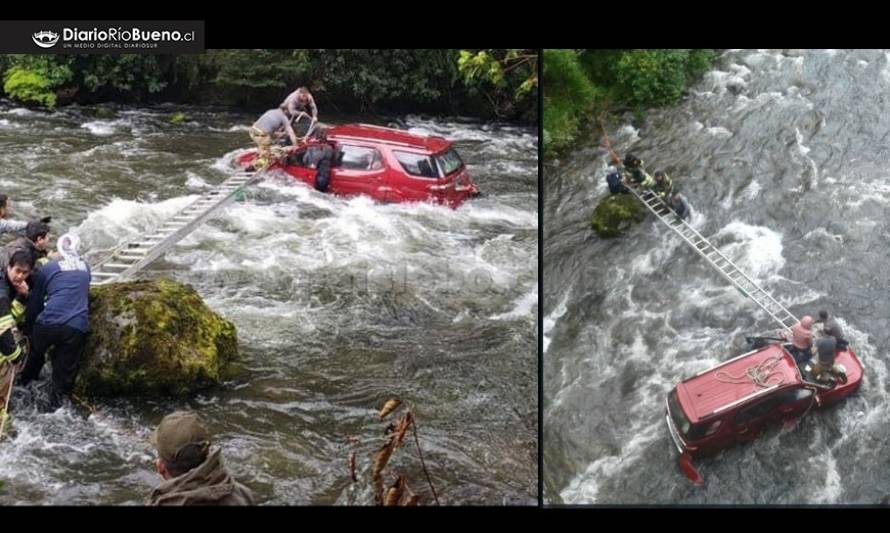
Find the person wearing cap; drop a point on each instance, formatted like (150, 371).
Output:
(63, 319)
(191, 466)
(801, 339)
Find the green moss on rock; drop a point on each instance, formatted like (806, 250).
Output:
(104, 112)
(154, 337)
(615, 214)
(177, 118)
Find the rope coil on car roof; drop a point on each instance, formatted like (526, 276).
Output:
(759, 374)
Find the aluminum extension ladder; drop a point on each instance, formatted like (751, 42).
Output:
(714, 257)
(131, 256)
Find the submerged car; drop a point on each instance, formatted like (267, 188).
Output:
(386, 164)
(736, 400)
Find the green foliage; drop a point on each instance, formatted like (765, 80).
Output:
(633, 77)
(698, 62)
(127, 73)
(258, 69)
(652, 77)
(569, 96)
(506, 77)
(400, 80)
(373, 76)
(55, 69)
(29, 87)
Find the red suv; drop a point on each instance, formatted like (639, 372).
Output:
(723, 405)
(386, 164)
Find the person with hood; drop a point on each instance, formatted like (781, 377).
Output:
(62, 321)
(191, 466)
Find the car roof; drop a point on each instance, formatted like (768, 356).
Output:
(726, 385)
(389, 136)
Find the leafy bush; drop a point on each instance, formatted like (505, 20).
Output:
(29, 87)
(569, 97)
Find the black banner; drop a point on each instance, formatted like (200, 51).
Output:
(101, 36)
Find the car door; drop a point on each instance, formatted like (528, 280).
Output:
(419, 179)
(359, 170)
(298, 170)
(795, 402)
(752, 418)
(784, 405)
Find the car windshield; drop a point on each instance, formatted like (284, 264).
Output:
(449, 162)
(677, 414)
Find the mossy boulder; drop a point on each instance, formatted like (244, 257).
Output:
(154, 337)
(615, 214)
(177, 118)
(104, 112)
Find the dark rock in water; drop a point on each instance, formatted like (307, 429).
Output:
(153, 337)
(65, 95)
(615, 214)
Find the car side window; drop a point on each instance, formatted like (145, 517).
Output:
(758, 410)
(795, 395)
(705, 430)
(417, 164)
(360, 158)
(713, 427)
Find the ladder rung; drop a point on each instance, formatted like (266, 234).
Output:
(104, 274)
(116, 265)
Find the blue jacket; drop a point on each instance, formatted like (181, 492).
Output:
(65, 285)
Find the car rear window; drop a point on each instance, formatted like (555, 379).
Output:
(419, 165)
